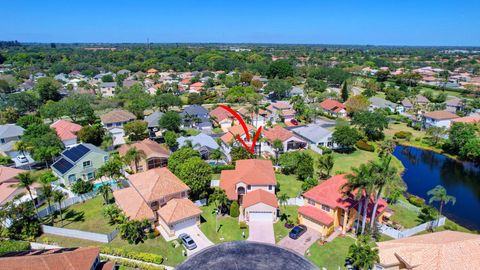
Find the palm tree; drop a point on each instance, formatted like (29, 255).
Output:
(363, 254)
(277, 147)
(135, 156)
(22, 147)
(58, 197)
(283, 199)
(383, 175)
(104, 189)
(47, 193)
(325, 164)
(216, 155)
(439, 194)
(25, 180)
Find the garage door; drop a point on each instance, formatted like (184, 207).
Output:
(256, 216)
(185, 224)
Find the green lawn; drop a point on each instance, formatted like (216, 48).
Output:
(289, 185)
(331, 255)
(407, 217)
(172, 256)
(279, 226)
(228, 228)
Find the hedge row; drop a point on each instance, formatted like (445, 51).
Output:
(220, 168)
(363, 145)
(415, 200)
(11, 246)
(136, 265)
(145, 257)
(403, 135)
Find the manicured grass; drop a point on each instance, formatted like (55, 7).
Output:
(279, 227)
(172, 256)
(404, 216)
(228, 228)
(215, 176)
(394, 128)
(331, 255)
(289, 185)
(87, 216)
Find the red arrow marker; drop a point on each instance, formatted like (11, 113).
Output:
(250, 149)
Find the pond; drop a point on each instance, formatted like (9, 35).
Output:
(426, 169)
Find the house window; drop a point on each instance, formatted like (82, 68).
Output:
(90, 175)
(87, 164)
(140, 168)
(156, 162)
(72, 178)
(325, 208)
(311, 202)
(330, 144)
(249, 187)
(320, 144)
(270, 187)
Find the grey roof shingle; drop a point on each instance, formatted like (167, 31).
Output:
(10, 130)
(153, 119)
(313, 132)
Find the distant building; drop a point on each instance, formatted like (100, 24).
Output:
(289, 140)
(156, 155)
(196, 116)
(316, 136)
(116, 118)
(223, 118)
(333, 107)
(66, 131)
(380, 103)
(107, 89)
(203, 143)
(438, 119)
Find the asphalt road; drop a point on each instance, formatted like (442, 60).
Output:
(245, 255)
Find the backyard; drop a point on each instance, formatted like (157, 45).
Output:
(331, 255)
(289, 185)
(228, 228)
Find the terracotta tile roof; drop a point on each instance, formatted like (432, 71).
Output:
(108, 265)
(434, 251)
(157, 183)
(259, 196)
(117, 116)
(132, 204)
(279, 133)
(177, 210)
(468, 119)
(329, 193)
(281, 105)
(288, 112)
(149, 147)
(52, 259)
(234, 131)
(248, 171)
(197, 84)
(152, 70)
(316, 214)
(66, 130)
(219, 114)
(8, 174)
(332, 105)
(441, 115)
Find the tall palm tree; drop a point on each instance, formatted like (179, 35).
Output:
(325, 164)
(277, 147)
(134, 155)
(25, 180)
(439, 194)
(363, 254)
(283, 199)
(22, 147)
(47, 193)
(58, 197)
(383, 175)
(104, 189)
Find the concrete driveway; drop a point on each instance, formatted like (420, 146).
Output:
(198, 236)
(301, 244)
(261, 231)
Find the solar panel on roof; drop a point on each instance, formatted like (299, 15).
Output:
(62, 165)
(77, 152)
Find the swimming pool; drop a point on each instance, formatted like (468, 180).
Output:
(99, 184)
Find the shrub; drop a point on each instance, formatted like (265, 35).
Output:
(234, 209)
(325, 150)
(156, 232)
(132, 264)
(141, 256)
(243, 225)
(403, 135)
(415, 200)
(220, 168)
(363, 145)
(11, 246)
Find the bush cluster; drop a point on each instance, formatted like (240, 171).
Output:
(402, 135)
(132, 264)
(220, 168)
(11, 246)
(141, 256)
(363, 145)
(415, 200)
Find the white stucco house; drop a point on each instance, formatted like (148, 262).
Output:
(438, 119)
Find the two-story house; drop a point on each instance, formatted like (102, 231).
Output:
(326, 208)
(107, 89)
(9, 186)
(259, 119)
(160, 197)
(289, 140)
(155, 155)
(252, 184)
(223, 118)
(438, 119)
(229, 139)
(196, 116)
(281, 110)
(79, 162)
(114, 121)
(333, 108)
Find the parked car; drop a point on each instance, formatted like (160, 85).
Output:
(297, 231)
(187, 241)
(22, 159)
(294, 122)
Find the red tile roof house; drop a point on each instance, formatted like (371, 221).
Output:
(82, 258)
(66, 131)
(281, 110)
(229, 140)
(9, 185)
(257, 120)
(333, 107)
(158, 196)
(289, 140)
(252, 184)
(438, 119)
(222, 118)
(327, 209)
(196, 87)
(156, 155)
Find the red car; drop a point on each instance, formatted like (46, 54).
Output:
(294, 122)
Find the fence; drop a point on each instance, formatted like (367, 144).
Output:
(98, 237)
(295, 201)
(66, 203)
(394, 233)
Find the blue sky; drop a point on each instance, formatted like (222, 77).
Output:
(381, 22)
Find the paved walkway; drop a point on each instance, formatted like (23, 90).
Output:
(301, 244)
(198, 236)
(261, 231)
